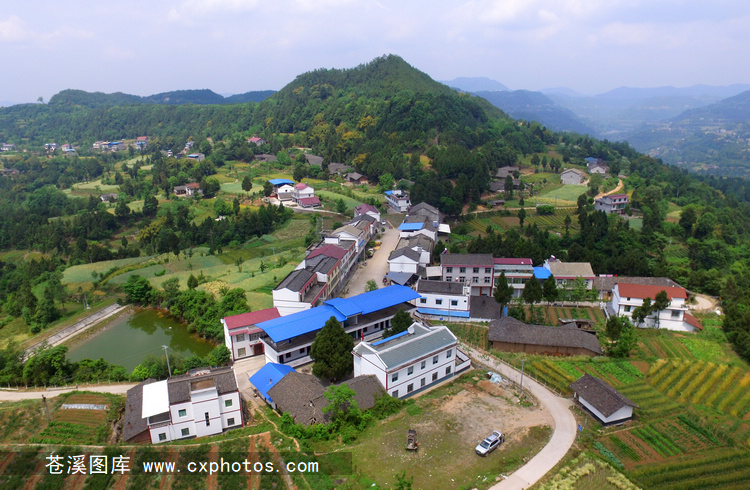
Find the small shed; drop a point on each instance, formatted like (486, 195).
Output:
(604, 402)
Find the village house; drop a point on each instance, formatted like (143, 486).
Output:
(50, 146)
(266, 158)
(404, 260)
(198, 157)
(285, 193)
(572, 176)
(367, 209)
(288, 339)
(337, 168)
(200, 403)
(476, 270)
(8, 147)
(277, 183)
(503, 172)
(601, 400)
(398, 200)
(302, 191)
(627, 297)
(411, 361)
(613, 203)
(356, 178)
(141, 142)
(606, 283)
(242, 336)
(266, 378)
(517, 272)
(442, 298)
(510, 335)
(257, 141)
(415, 224)
(314, 159)
(566, 273)
(107, 198)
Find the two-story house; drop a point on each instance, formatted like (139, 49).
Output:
(242, 336)
(613, 203)
(443, 298)
(566, 273)
(477, 270)
(411, 361)
(627, 297)
(517, 272)
(398, 200)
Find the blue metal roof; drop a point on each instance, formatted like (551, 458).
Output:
(411, 226)
(268, 376)
(541, 273)
(281, 181)
(388, 193)
(436, 312)
(300, 323)
(388, 339)
(380, 299)
(306, 321)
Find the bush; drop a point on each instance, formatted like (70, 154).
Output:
(545, 210)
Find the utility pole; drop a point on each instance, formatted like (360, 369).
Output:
(523, 361)
(169, 369)
(46, 408)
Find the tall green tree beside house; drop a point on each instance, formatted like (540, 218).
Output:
(399, 323)
(247, 184)
(549, 289)
(503, 291)
(532, 292)
(332, 351)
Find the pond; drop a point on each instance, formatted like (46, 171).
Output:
(132, 336)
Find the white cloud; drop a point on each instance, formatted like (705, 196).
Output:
(13, 29)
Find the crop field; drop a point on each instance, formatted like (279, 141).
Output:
(560, 373)
(586, 472)
(555, 222)
(475, 335)
(563, 194)
(76, 426)
(716, 386)
(663, 346)
(332, 197)
(725, 469)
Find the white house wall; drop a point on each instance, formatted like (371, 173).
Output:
(430, 301)
(623, 413)
(399, 388)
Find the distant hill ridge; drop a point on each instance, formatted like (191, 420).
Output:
(177, 97)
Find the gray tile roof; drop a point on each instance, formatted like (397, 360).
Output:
(296, 280)
(314, 159)
(320, 263)
(179, 387)
(407, 348)
(407, 252)
(415, 241)
(426, 210)
(484, 260)
(571, 269)
(608, 283)
(440, 287)
(133, 424)
(505, 171)
(600, 395)
(302, 396)
(508, 329)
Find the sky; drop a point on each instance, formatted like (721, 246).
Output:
(144, 47)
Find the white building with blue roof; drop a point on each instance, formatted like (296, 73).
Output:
(411, 361)
(288, 339)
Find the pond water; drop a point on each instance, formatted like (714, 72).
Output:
(132, 336)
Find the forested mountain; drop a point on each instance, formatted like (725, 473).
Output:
(475, 84)
(535, 106)
(176, 97)
(712, 139)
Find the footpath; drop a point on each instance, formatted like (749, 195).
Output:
(563, 433)
(76, 328)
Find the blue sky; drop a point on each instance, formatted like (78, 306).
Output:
(233, 46)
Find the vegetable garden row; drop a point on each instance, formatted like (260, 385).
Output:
(724, 468)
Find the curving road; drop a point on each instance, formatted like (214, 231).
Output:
(564, 431)
(14, 396)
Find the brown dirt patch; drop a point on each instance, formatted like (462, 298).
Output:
(91, 398)
(641, 366)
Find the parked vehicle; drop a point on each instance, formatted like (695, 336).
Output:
(411, 440)
(490, 443)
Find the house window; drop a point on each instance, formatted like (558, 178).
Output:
(449, 278)
(241, 352)
(434, 376)
(394, 393)
(454, 302)
(462, 270)
(288, 355)
(488, 270)
(475, 280)
(185, 432)
(447, 370)
(448, 353)
(410, 371)
(181, 412)
(163, 436)
(422, 301)
(302, 350)
(394, 378)
(675, 313)
(230, 421)
(476, 270)
(462, 279)
(424, 363)
(487, 280)
(227, 403)
(421, 382)
(240, 337)
(438, 301)
(435, 359)
(627, 309)
(410, 388)
(208, 421)
(449, 269)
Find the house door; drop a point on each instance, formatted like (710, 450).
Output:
(258, 349)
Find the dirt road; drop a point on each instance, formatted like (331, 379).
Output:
(374, 268)
(564, 429)
(14, 396)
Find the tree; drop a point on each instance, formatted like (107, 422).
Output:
(532, 291)
(503, 291)
(641, 312)
(46, 312)
(122, 210)
(661, 302)
(247, 184)
(150, 206)
(621, 334)
(400, 322)
(192, 282)
(299, 172)
(521, 216)
(219, 356)
(138, 290)
(594, 183)
(340, 206)
(342, 409)
(385, 182)
(509, 186)
(549, 289)
(332, 351)
(371, 285)
(210, 186)
(568, 222)
(267, 188)
(437, 251)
